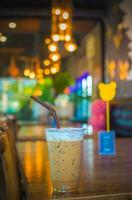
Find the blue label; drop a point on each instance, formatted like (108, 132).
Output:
(106, 141)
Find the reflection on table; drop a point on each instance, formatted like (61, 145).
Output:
(100, 175)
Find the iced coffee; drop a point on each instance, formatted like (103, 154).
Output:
(65, 153)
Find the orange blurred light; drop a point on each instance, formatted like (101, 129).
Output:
(53, 70)
(57, 66)
(67, 37)
(32, 75)
(67, 91)
(38, 92)
(47, 41)
(46, 71)
(57, 11)
(54, 56)
(62, 26)
(65, 15)
(55, 37)
(70, 47)
(62, 37)
(46, 62)
(52, 47)
(40, 71)
(41, 81)
(26, 72)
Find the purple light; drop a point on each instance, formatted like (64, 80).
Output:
(72, 89)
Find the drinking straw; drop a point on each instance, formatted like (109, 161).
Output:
(50, 108)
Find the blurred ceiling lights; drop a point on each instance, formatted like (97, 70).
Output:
(61, 31)
(61, 36)
(3, 38)
(61, 25)
(12, 25)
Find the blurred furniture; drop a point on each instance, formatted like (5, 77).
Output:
(3, 195)
(12, 177)
(9, 168)
(11, 121)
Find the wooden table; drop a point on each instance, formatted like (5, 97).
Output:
(102, 177)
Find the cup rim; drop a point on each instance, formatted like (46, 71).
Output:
(66, 129)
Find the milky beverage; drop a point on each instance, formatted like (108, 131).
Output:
(65, 151)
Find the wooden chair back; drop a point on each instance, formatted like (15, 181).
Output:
(9, 167)
(3, 195)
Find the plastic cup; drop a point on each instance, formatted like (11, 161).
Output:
(65, 152)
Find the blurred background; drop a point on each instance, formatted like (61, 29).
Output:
(59, 51)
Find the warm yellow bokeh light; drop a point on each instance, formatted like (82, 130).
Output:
(52, 47)
(26, 72)
(47, 41)
(55, 37)
(62, 37)
(40, 71)
(65, 15)
(123, 69)
(54, 56)
(57, 11)
(46, 71)
(107, 91)
(111, 69)
(41, 81)
(3, 38)
(57, 66)
(12, 25)
(32, 75)
(53, 70)
(46, 62)
(70, 47)
(39, 76)
(62, 26)
(38, 92)
(67, 38)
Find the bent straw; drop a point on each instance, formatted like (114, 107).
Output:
(50, 108)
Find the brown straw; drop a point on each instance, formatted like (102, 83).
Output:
(50, 108)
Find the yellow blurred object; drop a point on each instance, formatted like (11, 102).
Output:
(53, 70)
(123, 69)
(27, 72)
(3, 38)
(55, 37)
(32, 75)
(40, 71)
(37, 92)
(65, 15)
(54, 56)
(57, 11)
(12, 25)
(41, 81)
(67, 38)
(46, 71)
(107, 91)
(57, 66)
(47, 41)
(52, 47)
(69, 46)
(111, 69)
(46, 62)
(62, 26)
(62, 37)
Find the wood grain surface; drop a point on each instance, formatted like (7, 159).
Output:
(102, 177)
